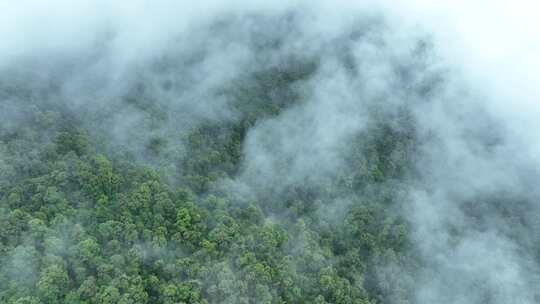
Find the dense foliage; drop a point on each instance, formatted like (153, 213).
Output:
(167, 210)
(86, 223)
(291, 152)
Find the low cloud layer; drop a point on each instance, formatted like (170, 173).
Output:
(467, 74)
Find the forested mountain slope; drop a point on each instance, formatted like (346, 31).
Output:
(252, 159)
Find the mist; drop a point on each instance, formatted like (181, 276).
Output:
(389, 146)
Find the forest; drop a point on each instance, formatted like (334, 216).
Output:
(251, 160)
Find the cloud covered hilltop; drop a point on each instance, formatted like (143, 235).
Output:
(255, 152)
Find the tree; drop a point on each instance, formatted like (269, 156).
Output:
(53, 284)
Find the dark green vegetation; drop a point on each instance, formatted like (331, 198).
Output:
(84, 220)
(82, 227)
